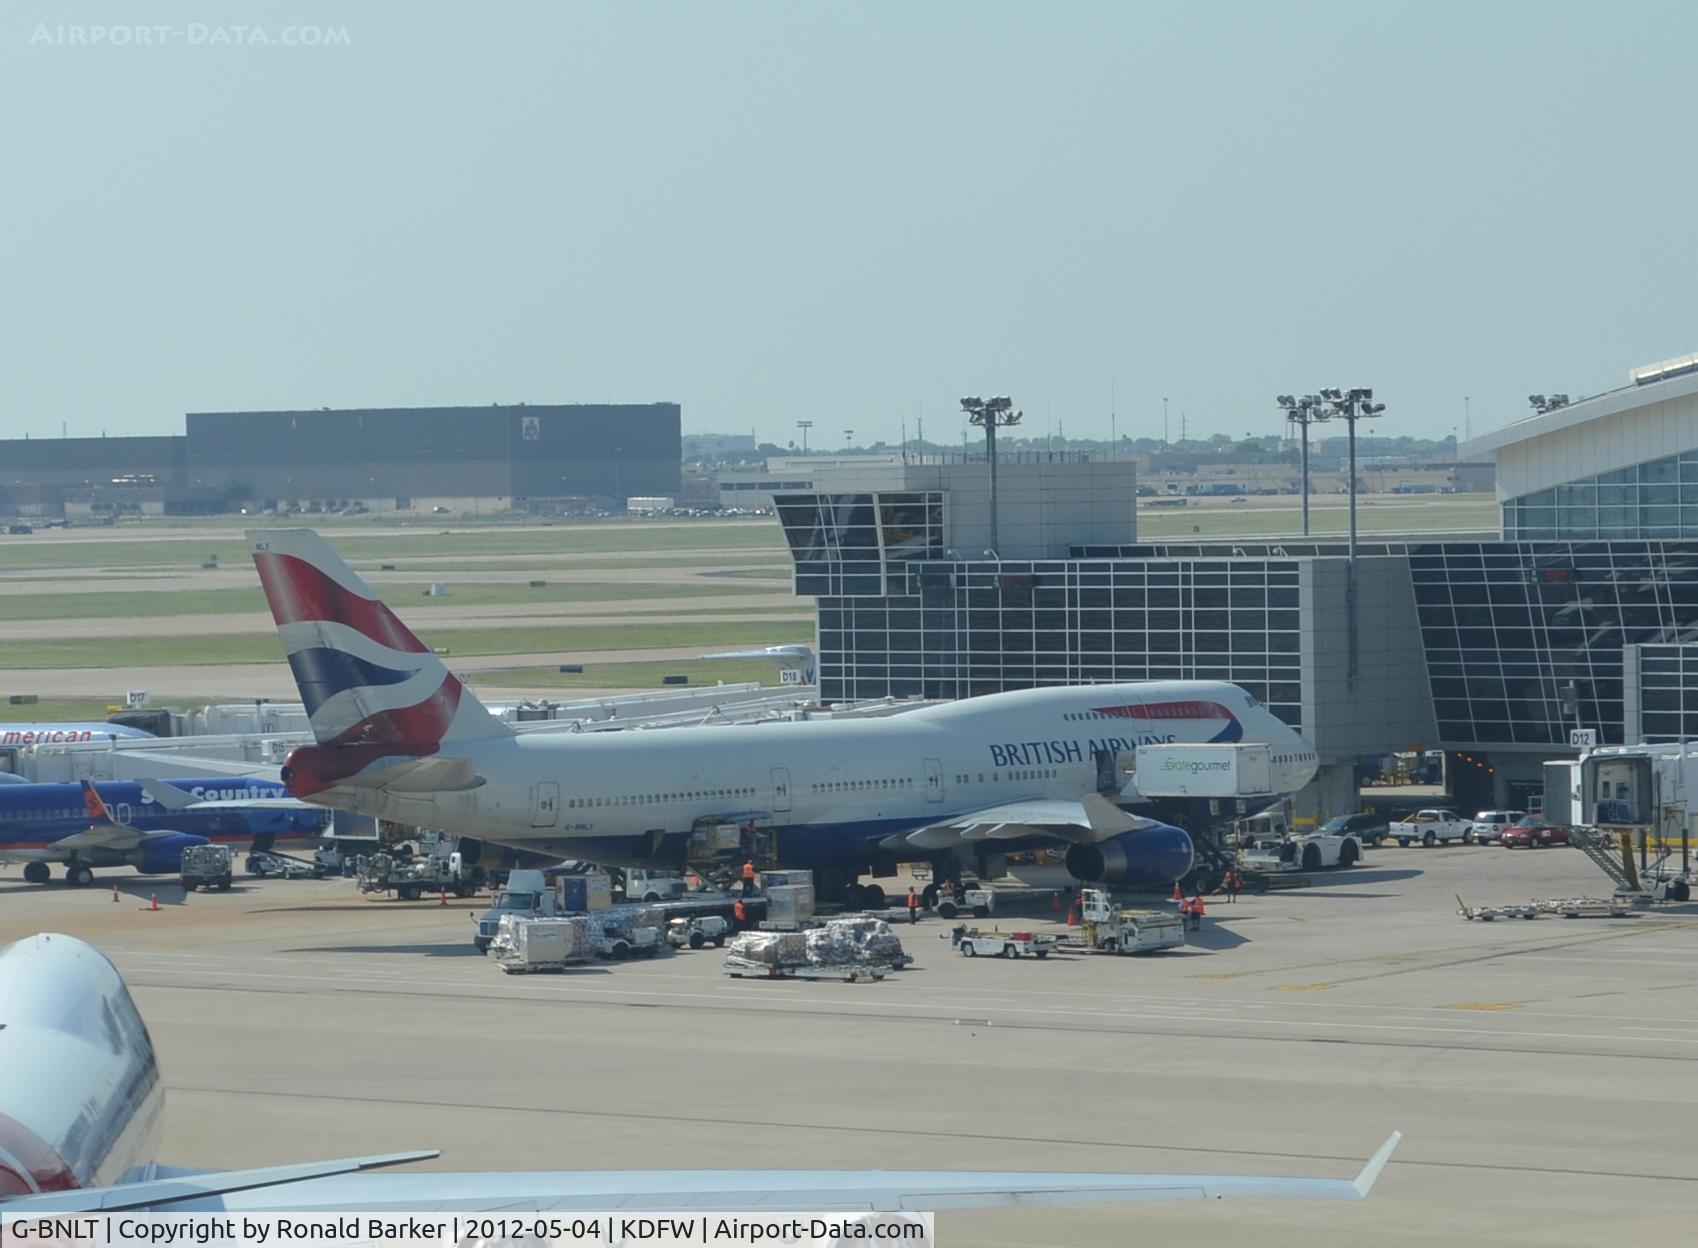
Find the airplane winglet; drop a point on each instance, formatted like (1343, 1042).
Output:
(97, 811)
(167, 796)
(1364, 1181)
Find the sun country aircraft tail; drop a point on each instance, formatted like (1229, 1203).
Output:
(377, 698)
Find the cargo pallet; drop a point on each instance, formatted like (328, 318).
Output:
(1567, 907)
(738, 968)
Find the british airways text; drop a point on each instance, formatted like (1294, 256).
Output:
(1054, 753)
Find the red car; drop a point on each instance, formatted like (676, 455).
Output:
(1532, 833)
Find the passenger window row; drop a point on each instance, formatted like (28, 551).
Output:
(843, 786)
(650, 799)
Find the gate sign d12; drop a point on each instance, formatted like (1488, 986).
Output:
(1583, 738)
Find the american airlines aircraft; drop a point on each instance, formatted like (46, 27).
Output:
(398, 737)
(82, 1105)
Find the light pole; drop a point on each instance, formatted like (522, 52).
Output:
(989, 415)
(1351, 406)
(1164, 420)
(1303, 412)
(804, 426)
(848, 438)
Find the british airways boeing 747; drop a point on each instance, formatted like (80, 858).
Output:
(399, 737)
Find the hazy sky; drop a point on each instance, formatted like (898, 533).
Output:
(850, 213)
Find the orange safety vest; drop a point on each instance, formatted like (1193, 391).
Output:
(913, 901)
(1197, 907)
(1184, 905)
(748, 870)
(739, 913)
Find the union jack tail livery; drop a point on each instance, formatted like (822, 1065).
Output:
(374, 693)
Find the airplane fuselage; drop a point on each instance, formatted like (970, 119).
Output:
(35, 818)
(837, 791)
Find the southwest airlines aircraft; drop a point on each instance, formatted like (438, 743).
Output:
(143, 824)
(398, 737)
(81, 1107)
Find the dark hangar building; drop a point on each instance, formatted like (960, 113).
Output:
(495, 456)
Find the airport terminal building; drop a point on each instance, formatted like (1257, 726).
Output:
(1490, 646)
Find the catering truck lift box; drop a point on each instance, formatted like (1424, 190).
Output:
(1204, 770)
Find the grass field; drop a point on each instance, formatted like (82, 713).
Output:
(1266, 518)
(630, 675)
(85, 710)
(16, 608)
(758, 563)
(140, 652)
(26, 552)
(635, 676)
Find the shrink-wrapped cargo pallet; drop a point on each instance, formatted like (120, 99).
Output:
(770, 948)
(843, 941)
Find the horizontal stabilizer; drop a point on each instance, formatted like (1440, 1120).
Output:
(340, 1187)
(164, 1193)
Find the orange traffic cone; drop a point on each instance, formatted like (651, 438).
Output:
(1072, 916)
(114, 892)
(155, 905)
(444, 900)
(1177, 895)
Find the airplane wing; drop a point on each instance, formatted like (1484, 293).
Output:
(104, 830)
(340, 1186)
(1082, 820)
(207, 766)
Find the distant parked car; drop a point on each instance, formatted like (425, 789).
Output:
(1366, 828)
(1532, 832)
(1490, 824)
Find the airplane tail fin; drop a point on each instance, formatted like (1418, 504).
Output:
(372, 689)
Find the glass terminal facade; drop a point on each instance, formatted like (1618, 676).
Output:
(1658, 499)
(951, 630)
(1661, 692)
(1522, 640)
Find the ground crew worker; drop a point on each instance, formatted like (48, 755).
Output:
(913, 905)
(947, 889)
(1197, 912)
(740, 915)
(1231, 883)
(748, 877)
(1185, 913)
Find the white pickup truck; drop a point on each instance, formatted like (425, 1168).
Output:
(1430, 827)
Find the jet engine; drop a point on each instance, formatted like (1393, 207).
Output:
(162, 855)
(1153, 856)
